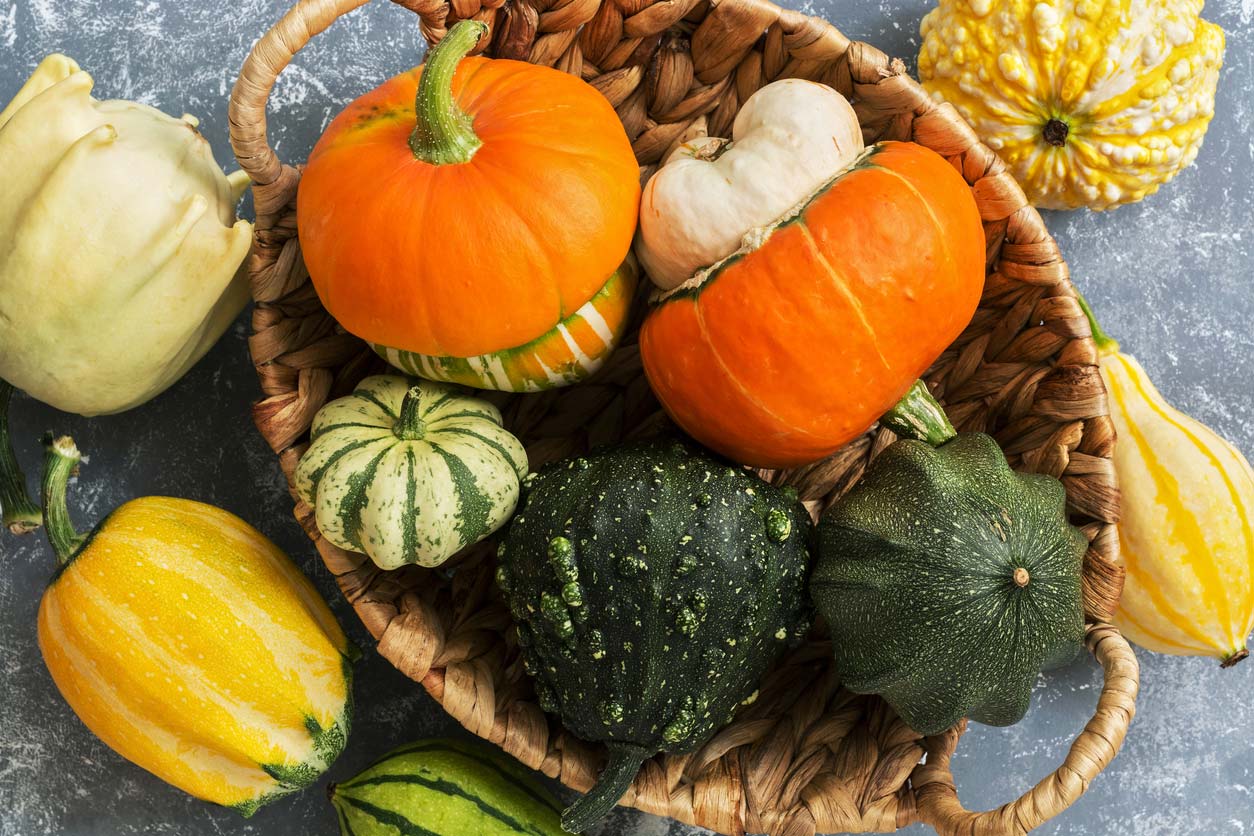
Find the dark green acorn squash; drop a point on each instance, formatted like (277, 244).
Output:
(652, 585)
(948, 580)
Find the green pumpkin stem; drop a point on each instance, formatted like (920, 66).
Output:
(1104, 342)
(19, 514)
(920, 416)
(60, 463)
(410, 426)
(1021, 577)
(445, 133)
(615, 780)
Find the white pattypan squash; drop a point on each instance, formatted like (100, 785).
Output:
(119, 247)
(1091, 103)
(788, 139)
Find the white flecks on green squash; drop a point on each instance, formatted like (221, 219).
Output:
(445, 788)
(409, 471)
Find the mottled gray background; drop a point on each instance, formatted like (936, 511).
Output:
(1172, 278)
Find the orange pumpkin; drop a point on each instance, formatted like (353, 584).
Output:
(469, 205)
(782, 353)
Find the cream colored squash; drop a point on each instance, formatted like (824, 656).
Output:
(1090, 102)
(119, 247)
(788, 139)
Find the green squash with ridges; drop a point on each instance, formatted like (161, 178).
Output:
(409, 471)
(445, 788)
(652, 585)
(948, 580)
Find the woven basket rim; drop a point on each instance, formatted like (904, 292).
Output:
(738, 781)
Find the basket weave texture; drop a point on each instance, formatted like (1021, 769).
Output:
(808, 756)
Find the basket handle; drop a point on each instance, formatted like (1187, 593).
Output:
(271, 55)
(1092, 751)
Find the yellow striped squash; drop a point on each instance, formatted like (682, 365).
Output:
(192, 646)
(577, 347)
(1186, 531)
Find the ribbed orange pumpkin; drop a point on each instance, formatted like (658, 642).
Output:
(782, 353)
(471, 211)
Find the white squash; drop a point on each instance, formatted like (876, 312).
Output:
(119, 247)
(788, 139)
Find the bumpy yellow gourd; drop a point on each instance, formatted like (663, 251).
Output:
(1090, 102)
(1187, 528)
(192, 646)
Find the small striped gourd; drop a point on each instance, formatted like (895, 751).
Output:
(1186, 530)
(193, 647)
(575, 348)
(445, 788)
(409, 472)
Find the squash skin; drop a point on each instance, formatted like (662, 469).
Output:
(783, 354)
(568, 354)
(403, 500)
(915, 575)
(644, 624)
(446, 788)
(531, 226)
(1128, 85)
(237, 712)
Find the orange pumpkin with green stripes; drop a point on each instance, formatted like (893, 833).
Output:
(1186, 530)
(193, 647)
(577, 347)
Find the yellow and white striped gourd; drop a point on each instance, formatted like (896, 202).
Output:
(1090, 102)
(409, 472)
(192, 646)
(1187, 527)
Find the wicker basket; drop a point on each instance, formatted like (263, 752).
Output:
(807, 756)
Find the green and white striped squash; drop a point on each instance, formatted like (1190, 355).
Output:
(409, 471)
(445, 788)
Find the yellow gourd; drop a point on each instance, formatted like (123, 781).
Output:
(1090, 102)
(192, 646)
(1186, 531)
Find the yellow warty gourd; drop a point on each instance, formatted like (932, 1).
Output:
(1090, 102)
(1187, 527)
(192, 646)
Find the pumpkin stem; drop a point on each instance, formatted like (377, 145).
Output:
(1239, 656)
(1104, 342)
(60, 463)
(1055, 132)
(445, 133)
(1021, 577)
(410, 426)
(920, 416)
(615, 780)
(20, 515)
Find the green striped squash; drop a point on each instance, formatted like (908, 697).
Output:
(445, 788)
(409, 471)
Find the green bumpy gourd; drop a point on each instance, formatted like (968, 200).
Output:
(653, 585)
(948, 580)
(445, 788)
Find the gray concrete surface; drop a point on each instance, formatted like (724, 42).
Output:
(1172, 277)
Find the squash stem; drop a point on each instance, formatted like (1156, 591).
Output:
(19, 514)
(60, 463)
(1021, 577)
(1240, 656)
(920, 416)
(410, 426)
(615, 780)
(1104, 342)
(445, 133)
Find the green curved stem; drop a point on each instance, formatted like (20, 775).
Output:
(60, 463)
(410, 426)
(920, 416)
(445, 133)
(19, 514)
(1104, 342)
(615, 780)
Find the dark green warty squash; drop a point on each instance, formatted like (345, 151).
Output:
(652, 585)
(948, 580)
